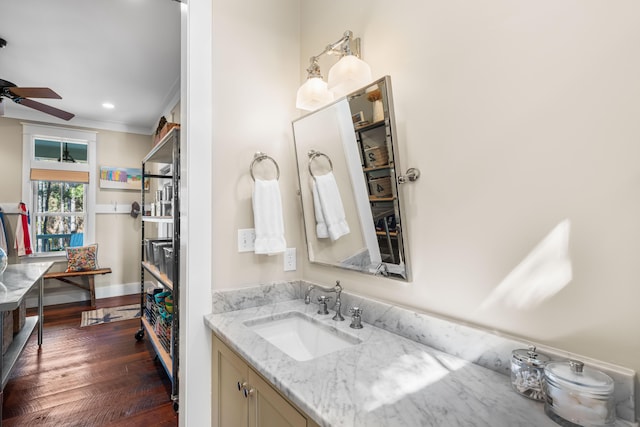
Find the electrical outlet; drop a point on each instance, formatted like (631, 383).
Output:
(246, 239)
(290, 259)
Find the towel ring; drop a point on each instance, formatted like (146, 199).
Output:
(313, 154)
(260, 156)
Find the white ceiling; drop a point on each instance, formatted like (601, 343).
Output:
(126, 52)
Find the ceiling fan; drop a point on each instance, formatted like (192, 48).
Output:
(21, 95)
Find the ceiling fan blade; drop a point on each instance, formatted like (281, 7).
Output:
(34, 92)
(45, 108)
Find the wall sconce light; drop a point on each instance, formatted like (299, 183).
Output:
(348, 74)
(314, 93)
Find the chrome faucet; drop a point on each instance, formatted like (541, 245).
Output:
(323, 300)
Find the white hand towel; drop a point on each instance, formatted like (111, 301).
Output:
(331, 203)
(267, 217)
(321, 227)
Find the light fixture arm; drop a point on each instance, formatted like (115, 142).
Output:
(347, 45)
(348, 73)
(343, 42)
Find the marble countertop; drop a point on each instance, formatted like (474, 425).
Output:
(17, 280)
(386, 380)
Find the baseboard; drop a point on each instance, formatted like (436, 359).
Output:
(109, 291)
(64, 294)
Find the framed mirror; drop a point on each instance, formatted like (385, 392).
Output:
(347, 156)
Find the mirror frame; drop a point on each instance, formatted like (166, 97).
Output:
(402, 270)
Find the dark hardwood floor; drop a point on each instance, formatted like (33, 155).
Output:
(88, 377)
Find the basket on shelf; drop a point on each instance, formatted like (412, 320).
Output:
(380, 187)
(163, 129)
(376, 156)
(159, 313)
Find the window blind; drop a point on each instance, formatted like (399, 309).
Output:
(59, 175)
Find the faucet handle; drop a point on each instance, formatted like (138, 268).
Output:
(356, 321)
(322, 307)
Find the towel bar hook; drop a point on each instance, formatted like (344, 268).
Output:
(314, 154)
(260, 156)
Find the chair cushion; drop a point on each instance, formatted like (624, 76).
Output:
(82, 258)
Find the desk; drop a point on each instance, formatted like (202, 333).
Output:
(15, 283)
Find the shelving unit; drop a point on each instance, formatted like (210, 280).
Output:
(159, 323)
(376, 154)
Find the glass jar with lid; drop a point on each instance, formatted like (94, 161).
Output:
(576, 395)
(527, 371)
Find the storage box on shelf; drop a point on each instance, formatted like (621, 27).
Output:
(148, 248)
(7, 330)
(376, 156)
(380, 187)
(168, 261)
(158, 255)
(19, 316)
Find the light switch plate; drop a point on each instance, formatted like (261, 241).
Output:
(246, 239)
(290, 259)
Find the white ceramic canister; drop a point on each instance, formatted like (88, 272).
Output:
(576, 395)
(167, 191)
(527, 372)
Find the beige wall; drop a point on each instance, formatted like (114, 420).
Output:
(255, 77)
(10, 175)
(10, 160)
(118, 235)
(520, 115)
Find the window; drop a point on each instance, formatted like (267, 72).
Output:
(59, 151)
(57, 215)
(59, 174)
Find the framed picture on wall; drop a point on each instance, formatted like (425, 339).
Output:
(122, 178)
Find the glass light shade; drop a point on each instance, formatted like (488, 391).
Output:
(313, 94)
(348, 74)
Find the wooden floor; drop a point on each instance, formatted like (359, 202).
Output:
(92, 376)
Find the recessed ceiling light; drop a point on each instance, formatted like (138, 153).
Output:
(108, 105)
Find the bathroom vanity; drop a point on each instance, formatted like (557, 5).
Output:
(382, 379)
(241, 397)
(386, 380)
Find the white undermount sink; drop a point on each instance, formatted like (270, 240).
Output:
(300, 336)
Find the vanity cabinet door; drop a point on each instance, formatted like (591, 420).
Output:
(268, 408)
(256, 404)
(230, 407)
